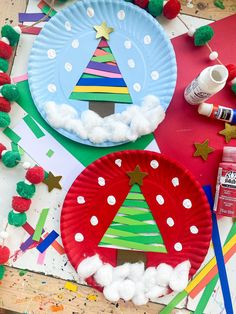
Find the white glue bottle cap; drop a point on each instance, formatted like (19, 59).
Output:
(218, 75)
(205, 109)
(229, 154)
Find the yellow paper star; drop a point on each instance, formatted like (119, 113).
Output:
(136, 176)
(103, 30)
(229, 132)
(53, 182)
(203, 149)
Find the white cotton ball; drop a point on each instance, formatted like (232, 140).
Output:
(104, 275)
(140, 299)
(111, 292)
(140, 125)
(156, 292)
(98, 135)
(191, 31)
(213, 55)
(4, 235)
(121, 271)
(77, 127)
(155, 117)
(90, 119)
(119, 132)
(150, 102)
(180, 276)
(136, 271)
(127, 289)
(149, 278)
(139, 287)
(129, 113)
(89, 266)
(163, 274)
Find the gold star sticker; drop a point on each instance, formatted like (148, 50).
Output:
(53, 182)
(229, 132)
(103, 30)
(136, 176)
(203, 150)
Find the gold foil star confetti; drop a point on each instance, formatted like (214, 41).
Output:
(103, 30)
(229, 132)
(203, 149)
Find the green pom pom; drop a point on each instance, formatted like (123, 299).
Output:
(9, 32)
(2, 271)
(3, 65)
(5, 119)
(16, 219)
(11, 159)
(233, 88)
(202, 35)
(155, 7)
(10, 92)
(25, 190)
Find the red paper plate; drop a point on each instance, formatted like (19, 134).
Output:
(183, 216)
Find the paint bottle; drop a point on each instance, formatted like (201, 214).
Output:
(225, 197)
(209, 82)
(218, 112)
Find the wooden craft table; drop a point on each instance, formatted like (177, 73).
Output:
(28, 292)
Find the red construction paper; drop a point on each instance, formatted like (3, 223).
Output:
(183, 126)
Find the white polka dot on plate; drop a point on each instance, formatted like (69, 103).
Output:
(154, 164)
(194, 230)
(75, 43)
(155, 75)
(121, 15)
(67, 26)
(111, 200)
(94, 221)
(187, 203)
(131, 63)
(178, 246)
(101, 181)
(175, 181)
(137, 87)
(170, 222)
(90, 12)
(160, 200)
(68, 66)
(147, 40)
(127, 44)
(80, 200)
(79, 237)
(52, 88)
(51, 53)
(118, 162)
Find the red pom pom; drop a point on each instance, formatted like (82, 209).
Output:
(141, 3)
(171, 9)
(2, 148)
(5, 105)
(20, 204)
(35, 175)
(232, 72)
(4, 79)
(5, 50)
(4, 254)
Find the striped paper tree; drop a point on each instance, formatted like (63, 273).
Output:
(102, 83)
(134, 227)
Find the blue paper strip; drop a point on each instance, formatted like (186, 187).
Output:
(219, 255)
(101, 82)
(47, 241)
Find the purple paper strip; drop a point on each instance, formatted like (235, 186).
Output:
(103, 67)
(31, 17)
(24, 246)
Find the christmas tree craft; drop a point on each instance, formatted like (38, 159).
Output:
(134, 227)
(102, 83)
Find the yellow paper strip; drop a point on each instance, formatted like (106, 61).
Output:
(71, 286)
(101, 89)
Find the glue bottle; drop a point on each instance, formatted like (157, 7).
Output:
(225, 197)
(218, 112)
(209, 82)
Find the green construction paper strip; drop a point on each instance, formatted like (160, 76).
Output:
(136, 229)
(145, 240)
(138, 204)
(14, 147)
(143, 217)
(124, 220)
(106, 58)
(174, 302)
(119, 233)
(41, 222)
(33, 126)
(85, 75)
(135, 196)
(136, 188)
(135, 246)
(130, 211)
(45, 9)
(123, 98)
(84, 153)
(107, 49)
(11, 135)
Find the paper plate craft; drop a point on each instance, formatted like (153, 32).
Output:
(102, 72)
(136, 225)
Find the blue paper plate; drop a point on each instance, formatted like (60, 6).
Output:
(64, 47)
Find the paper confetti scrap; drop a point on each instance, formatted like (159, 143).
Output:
(47, 241)
(33, 30)
(71, 286)
(32, 17)
(40, 224)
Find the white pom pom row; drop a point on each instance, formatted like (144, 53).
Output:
(17, 29)
(213, 55)
(26, 165)
(191, 31)
(4, 235)
(5, 40)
